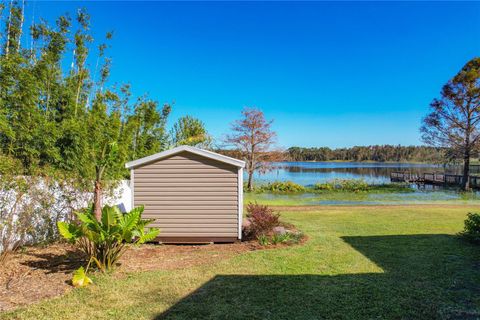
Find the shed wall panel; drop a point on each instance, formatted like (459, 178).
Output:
(189, 196)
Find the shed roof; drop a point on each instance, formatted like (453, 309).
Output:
(194, 150)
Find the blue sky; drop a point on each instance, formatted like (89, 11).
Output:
(329, 74)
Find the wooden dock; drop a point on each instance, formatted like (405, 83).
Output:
(433, 178)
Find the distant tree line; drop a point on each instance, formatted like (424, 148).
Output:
(380, 153)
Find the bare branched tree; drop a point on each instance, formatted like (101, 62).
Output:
(253, 137)
(454, 120)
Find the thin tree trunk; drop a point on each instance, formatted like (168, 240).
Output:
(252, 164)
(48, 95)
(72, 65)
(32, 41)
(78, 96)
(250, 181)
(466, 170)
(466, 156)
(97, 200)
(21, 26)
(7, 45)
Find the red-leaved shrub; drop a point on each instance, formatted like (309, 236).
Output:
(262, 220)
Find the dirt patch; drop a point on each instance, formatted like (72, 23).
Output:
(169, 257)
(37, 273)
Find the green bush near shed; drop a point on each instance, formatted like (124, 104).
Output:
(471, 230)
(105, 241)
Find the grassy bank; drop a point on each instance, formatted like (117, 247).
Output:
(359, 263)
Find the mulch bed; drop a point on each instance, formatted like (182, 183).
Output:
(36, 273)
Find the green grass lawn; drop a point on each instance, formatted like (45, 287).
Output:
(373, 197)
(359, 263)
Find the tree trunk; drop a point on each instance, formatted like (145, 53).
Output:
(466, 171)
(97, 200)
(7, 43)
(250, 181)
(21, 26)
(77, 96)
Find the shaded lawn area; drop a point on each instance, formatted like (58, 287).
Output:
(359, 263)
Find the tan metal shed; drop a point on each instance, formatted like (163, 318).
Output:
(194, 195)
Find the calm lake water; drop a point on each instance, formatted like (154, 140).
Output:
(309, 173)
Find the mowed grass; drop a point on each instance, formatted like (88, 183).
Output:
(373, 197)
(359, 263)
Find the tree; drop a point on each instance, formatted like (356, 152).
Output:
(454, 120)
(106, 147)
(147, 124)
(190, 131)
(253, 137)
(69, 120)
(367, 153)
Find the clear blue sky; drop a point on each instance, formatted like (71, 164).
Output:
(329, 74)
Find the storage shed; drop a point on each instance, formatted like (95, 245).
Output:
(194, 195)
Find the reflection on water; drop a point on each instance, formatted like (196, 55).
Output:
(309, 173)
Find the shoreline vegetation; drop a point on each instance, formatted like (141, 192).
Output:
(335, 185)
(353, 192)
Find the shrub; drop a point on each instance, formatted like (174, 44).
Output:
(471, 230)
(295, 237)
(263, 240)
(276, 238)
(262, 220)
(287, 186)
(105, 241)
(352, 185)
(281, 238)
(281, 187)
(327, 186)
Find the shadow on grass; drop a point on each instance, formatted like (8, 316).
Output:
(425, 277)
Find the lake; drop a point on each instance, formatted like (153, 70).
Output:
(309, 173)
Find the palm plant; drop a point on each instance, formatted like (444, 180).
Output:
(105, 241)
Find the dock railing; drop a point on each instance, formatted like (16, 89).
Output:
(433, 178)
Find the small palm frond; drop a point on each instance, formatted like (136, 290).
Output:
(118, 213)
(69, 231)
(148, 236)
(130, 220)
(89, 221)
(109, 216)
(144, 222)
